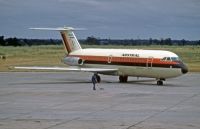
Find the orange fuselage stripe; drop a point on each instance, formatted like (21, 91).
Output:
(130, 60)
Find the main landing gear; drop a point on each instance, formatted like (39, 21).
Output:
(123, 79)
(98, 78)
(160, 82)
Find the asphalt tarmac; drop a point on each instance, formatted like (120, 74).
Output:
(45, 100)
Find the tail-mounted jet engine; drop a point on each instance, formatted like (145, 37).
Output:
(73, 61)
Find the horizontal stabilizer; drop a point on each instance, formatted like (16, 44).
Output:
(59, 29)
(69, 39)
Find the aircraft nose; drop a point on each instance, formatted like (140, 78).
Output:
(184, 68)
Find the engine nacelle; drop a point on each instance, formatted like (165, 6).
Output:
(73, 61)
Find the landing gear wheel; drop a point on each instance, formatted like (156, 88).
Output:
(120, 79)
(160, 82)
(123, 79)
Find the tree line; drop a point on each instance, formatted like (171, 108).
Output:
(150, 41)
(13, 41)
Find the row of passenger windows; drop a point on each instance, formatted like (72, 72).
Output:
(136, 59)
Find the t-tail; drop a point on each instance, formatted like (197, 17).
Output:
(69, 39)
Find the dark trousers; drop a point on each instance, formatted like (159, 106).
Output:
(94, 88)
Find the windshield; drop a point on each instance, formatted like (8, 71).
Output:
(171, 59)
(175, 59)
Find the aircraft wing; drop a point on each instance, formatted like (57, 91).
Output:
(75, 69)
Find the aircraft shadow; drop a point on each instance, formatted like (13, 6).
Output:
(134, 82)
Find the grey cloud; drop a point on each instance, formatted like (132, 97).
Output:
(106, 18)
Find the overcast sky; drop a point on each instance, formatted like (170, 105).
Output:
(177, 19)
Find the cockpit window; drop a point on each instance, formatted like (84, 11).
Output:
(171, 59)
(175, 59)
(164, 58)
(168, 59)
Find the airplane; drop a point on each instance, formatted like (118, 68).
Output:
(158, 64)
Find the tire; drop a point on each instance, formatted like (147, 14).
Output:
(160, 83)
(123, 79)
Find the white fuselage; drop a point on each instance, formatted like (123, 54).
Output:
(131, 62)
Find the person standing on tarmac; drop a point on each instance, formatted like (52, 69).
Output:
(94, 81)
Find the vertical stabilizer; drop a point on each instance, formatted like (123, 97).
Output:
(69, 39)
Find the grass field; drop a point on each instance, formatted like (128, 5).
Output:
(51, 55)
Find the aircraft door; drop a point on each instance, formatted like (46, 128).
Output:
(109, 59)
(149, 62)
